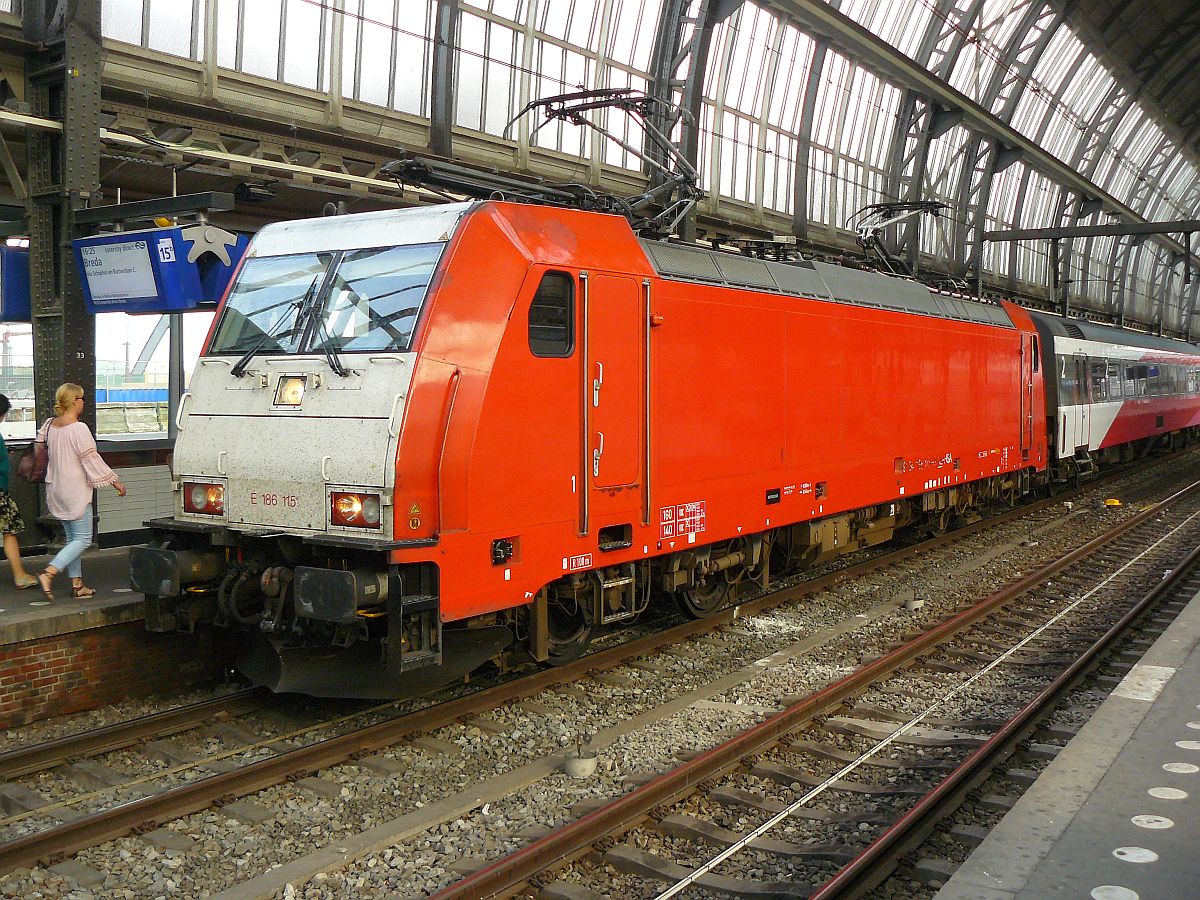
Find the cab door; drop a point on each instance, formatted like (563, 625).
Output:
(1028, 367)
(613, 386)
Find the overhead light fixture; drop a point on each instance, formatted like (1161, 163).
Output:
(253, 192)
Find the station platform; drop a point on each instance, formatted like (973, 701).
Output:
(1116, 815)
(71, 655)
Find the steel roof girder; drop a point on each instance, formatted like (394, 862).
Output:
(906, 171)
(800, 220)
(671, 50)
(441, 95)
(874, 53)
(949, 29)
(974, 199)
(1190, 321)
(1040, 22)
(1113, 109)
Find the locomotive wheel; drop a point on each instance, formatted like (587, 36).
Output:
(570, 632)
(705, 599)
(939, 523)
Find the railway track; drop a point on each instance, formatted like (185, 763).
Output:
(830, 745)
(46, 755)
(140, 814)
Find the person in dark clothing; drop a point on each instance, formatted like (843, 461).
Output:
(11, 522)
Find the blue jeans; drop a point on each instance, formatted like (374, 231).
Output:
(79, 538)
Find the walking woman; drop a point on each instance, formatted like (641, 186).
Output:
(75, 469)
(11, 523)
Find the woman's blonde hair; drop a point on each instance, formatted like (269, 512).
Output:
(65, 396)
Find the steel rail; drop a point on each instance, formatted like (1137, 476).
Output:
(145, 813)
(877, 861)
(39, 757)
(574, 837)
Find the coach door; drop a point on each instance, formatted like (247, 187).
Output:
(1081, 418)
(612, 395)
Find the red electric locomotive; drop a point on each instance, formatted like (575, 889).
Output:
(423, 439)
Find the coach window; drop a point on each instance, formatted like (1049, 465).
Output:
(1099, 370)
(1143, 381)
(552, 316)
(1068, 385)
(1114, 381)
(1154, 380)
(1131, 381)
(1191, 381)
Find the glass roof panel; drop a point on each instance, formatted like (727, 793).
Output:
(1164, 204)
(559, 70)
(1112, 160)
(488, 58)
(787, 95)
(170, 27)
(631, 32)
(779, 171)
(900, 24)
(303, 53)
(121, 20)
(1039, 100)
(745, 43)
(260, 38)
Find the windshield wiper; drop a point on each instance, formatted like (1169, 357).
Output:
(239, 368)
(314, 312)
(331, 356)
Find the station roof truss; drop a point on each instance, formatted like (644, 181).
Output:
(1012, 114)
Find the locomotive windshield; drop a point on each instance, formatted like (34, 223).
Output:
(345, 301)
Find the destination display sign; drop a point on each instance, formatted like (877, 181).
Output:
(117, 272)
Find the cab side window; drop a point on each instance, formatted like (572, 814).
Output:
(552, 316)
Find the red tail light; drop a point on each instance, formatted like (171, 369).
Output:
(350, 509)
(204, 498)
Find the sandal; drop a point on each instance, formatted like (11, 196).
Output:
(27, 582)
(45, 579)
(82, 591)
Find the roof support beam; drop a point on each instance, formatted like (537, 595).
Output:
(1182, 226)
(874, 53)
(681, 46)
(984, 157)
(816, 72)
(441, 95)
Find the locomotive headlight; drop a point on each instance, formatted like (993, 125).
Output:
(204, 498)
(354, 509)
(290, 390)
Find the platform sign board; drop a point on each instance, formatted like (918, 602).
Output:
(158, 270)
(14, 285)
(119, 272)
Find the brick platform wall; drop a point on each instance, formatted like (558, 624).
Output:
(87, 669)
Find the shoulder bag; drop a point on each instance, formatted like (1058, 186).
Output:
(34, 459)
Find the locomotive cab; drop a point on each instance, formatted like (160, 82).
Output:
(285, 463)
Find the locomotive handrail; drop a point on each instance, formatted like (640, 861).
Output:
(184, 402)
(393, 427)
(455, 378)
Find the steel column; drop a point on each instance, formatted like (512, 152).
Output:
(441, 90)
(678, 50)
(63, 83)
